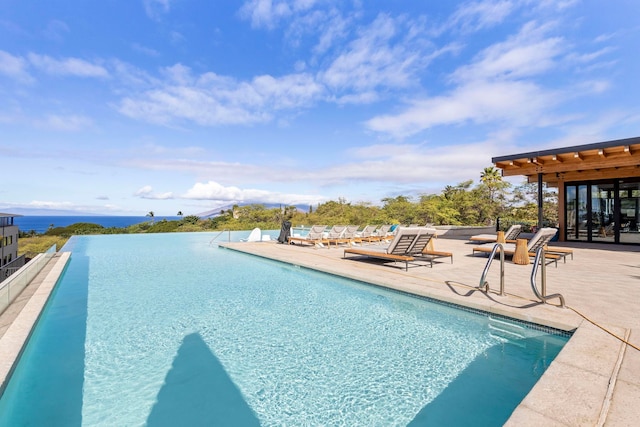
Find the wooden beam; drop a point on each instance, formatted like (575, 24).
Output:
(577, 155)
(611, 161)
(601, 153)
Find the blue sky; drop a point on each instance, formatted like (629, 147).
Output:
(129, 106)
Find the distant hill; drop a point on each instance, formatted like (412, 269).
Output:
(216, 212)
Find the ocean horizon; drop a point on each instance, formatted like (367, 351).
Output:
(41, 224)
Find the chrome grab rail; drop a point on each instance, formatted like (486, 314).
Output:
(218, 235)
(542, 296)
(484, 285)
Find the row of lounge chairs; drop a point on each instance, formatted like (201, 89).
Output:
(320, 235)
(540, 239)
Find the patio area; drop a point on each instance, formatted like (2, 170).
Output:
(596, 378)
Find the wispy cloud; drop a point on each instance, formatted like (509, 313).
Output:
(215, 192)
(496, 86)
(147, 192)
(209, 99)
(67, 66)
(14, 67)
(70, 123)
(156, 9)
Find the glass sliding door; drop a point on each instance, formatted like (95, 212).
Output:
(571, 199)
(629, 193)
(583, 219)
(603, 212)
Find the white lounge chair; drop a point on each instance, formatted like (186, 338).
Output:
(314, 237)
(254, 236)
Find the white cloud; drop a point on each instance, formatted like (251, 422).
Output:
(209, 99)
(373, 59)
(497, 86)
(519, 103)
(146, 192)
(268, 13)
(474, 16)
(527, 54)
(69, 66)
(216, 192)
(14, 67)
(71, 123)
(56, 30)
(155, 9)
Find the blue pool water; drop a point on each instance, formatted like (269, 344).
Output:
(166, 329)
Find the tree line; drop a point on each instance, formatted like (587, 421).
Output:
(467, 203)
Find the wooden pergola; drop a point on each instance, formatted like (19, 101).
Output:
(600, 161)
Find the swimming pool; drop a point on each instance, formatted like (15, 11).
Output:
(165, 329)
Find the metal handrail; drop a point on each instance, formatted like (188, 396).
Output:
(218, 235)
(542, 296)
(484, 285)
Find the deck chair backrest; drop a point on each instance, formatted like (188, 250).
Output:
(337, 231)
(350, 231)
(541, 238)
(316, 232)
(255, 236)
(403, 241)
(368, 231)
(421, 242)
(513, 232)
(383, 230)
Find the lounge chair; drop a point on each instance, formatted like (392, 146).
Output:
(314, 237)
(334, 235)
(540, 239)
(348, 236)
(254, 236)
(382, 233)
(366, 234)
(561, 252)
(408, 245)
(511, 234)
(421, 246)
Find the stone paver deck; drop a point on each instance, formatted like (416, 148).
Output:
(595, 380)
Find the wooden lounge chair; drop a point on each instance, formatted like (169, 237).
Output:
(366, 234)
(511, 234)
(540, 239)
(314, 237)
(408, 245)
(346, 237)
(334, 235)
(561, 252)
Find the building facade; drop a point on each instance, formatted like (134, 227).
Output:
(8, 245)
(598, 187)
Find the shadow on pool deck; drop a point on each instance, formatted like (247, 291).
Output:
(197, 391)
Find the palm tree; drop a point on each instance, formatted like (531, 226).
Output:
(492, 178)
(152, 215)
(179, 213)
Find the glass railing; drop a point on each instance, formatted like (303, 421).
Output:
(11, 287)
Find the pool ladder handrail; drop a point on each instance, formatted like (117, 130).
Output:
(540, 259)
(484, 285)
(218, 235)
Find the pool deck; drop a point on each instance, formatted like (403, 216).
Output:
(595, 380)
